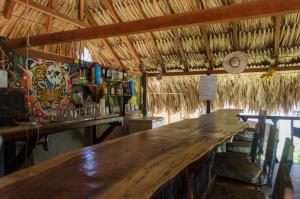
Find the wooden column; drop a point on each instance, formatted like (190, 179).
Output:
(144, 83)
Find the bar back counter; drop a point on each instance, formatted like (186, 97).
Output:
(173, 161)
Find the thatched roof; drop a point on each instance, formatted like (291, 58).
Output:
(177, 48)
(245, 91)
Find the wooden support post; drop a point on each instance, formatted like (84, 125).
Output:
(292, 130)
(208, 105)
(144, 83)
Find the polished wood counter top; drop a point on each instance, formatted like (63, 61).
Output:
(26, 129)
(133, 166)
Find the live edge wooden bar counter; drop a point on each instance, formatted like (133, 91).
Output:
(168, 161)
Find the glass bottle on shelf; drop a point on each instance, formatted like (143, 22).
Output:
(112, 90)
(108, 89)
(125, 75)
(108, 73)
(104, 88)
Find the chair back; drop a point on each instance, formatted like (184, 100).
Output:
(270, 155)
(258, 139)
(283, 188)
(288, 152)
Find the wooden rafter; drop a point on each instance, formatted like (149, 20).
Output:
(278, 20)
(81, 10)
(44, 55)
(202, 17)
(248, 70)
(177, 39)
(8, 10)
(49, 23)
(151, 37)
(125, 39)
(50, 12)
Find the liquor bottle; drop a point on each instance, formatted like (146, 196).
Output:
(104, 88)
(97, 75)
(125, 75)
(108, 74)
(92, 74)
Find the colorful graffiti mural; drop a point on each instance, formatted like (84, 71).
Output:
(48, 85)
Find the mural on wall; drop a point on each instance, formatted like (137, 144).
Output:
(48, 86)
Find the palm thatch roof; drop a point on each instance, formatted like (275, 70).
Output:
(174, 50)
(175, 94)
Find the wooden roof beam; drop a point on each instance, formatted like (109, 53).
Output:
(151, 37)
(248, 70)
(49, 23)
(50, 12)
(8, 10)
(277, 36)
(202, 17)
(125, 39)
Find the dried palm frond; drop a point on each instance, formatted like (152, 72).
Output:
(240, 91)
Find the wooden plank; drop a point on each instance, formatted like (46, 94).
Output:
(81, 10)
(134, 166)
(125, 39)
(44, 55)
(49, 23)
(202, 17)
(8, 10)
(249, 70)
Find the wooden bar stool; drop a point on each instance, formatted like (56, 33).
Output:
(282, 189)
(242, 149)
(241, 169)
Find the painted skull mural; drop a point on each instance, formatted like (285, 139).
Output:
(49, 86)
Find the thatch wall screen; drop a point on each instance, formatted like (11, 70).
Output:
(175, 94)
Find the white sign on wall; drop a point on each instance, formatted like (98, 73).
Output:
(208, 87)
